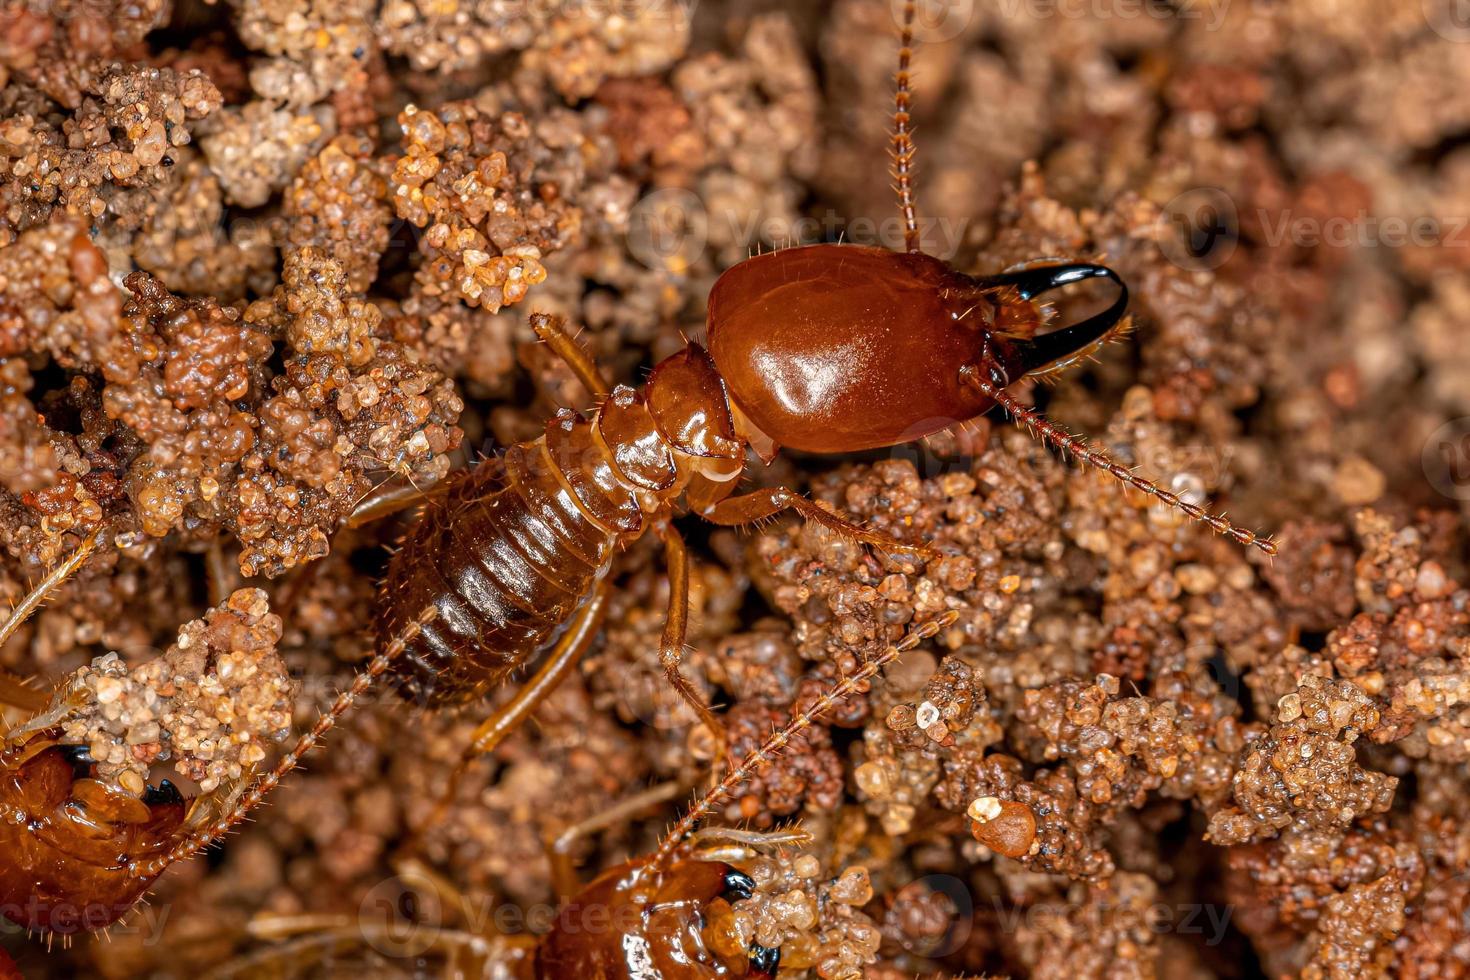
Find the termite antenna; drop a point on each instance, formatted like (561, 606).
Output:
(1056, 436)
(204, 836)
(902, 147)
(777, 742)
(53, 581)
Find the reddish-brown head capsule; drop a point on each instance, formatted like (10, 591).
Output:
(70, 843)
(839, 348)
(629, 926)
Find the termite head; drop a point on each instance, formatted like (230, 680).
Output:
(630, 924)
(71, 842)
(839, 348)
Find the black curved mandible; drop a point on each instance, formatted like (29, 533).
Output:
(1052, 347)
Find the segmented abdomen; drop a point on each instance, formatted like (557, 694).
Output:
(506, 558)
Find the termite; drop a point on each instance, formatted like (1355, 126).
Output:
(671, 873)
(822, 348)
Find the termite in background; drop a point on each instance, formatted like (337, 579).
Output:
(822, 348)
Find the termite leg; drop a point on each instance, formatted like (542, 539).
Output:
(760, 504)
(1063, 440)
(562, 660)
(564, 877)
(734, 844)
(676, 629)
(551, 330)
(456, 906)
(382, 502)
(53, 581)
(300, 942)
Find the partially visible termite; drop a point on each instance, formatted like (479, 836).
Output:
(823, 348)
(671, 873)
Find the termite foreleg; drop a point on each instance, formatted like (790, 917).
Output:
(560, 662)
(676, 629)
(757, 505)
(551, 330)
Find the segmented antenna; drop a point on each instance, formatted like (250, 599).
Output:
(1059, 437)
(14, 691)
(778, 740)
(902, 147)
(38, 596)
(205, 836)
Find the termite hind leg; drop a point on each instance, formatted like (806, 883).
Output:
(1060, 438)
(760, 504)
(676, 630)
(552, 331)
(558, 664)
(389, 497)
